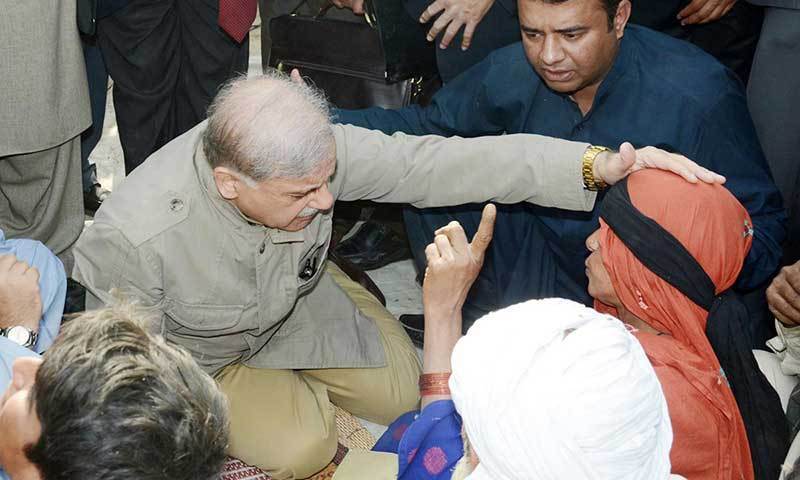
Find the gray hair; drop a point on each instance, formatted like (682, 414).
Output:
(268, 126)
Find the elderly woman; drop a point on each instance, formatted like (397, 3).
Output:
(663, 261)
(546, 390)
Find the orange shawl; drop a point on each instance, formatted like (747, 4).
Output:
(710, 441)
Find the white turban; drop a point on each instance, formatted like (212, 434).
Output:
(550, 389)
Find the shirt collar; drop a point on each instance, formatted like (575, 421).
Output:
(621, 66)
(228, 210)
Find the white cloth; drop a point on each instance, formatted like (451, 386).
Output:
(787, 347)
(550, 389)
(770, 365)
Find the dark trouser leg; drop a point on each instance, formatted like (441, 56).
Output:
(97, 78)
(209, 59)
(168, 59)
(774, 99)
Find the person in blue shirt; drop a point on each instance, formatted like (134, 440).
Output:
(12, 356)
(32, 289)
(582, 73)
(40, 266)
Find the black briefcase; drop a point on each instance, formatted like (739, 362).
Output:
(384, 61)
(87, 16)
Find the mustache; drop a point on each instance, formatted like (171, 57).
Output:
(308, 212)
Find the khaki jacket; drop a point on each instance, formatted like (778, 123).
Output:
(231, 291)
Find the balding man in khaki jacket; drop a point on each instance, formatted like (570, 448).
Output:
(224, 232)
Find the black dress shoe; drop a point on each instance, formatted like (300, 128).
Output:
(76, 297)
(414, 324)
(93, 198)
(374, 245)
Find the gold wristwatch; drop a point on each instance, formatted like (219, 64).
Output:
(589, 182)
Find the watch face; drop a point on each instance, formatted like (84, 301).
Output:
(19, 335)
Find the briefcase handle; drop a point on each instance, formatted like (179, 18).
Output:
(369, 14)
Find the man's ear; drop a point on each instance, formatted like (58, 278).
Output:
(621, 18)
(228, 182)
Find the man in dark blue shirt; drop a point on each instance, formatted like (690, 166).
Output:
(581, 74)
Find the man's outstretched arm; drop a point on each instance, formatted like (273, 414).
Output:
(432, 171)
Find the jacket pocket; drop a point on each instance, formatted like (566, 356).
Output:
(204, 317)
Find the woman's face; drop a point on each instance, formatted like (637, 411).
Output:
(600, 287)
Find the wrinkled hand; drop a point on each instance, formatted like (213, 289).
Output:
(454, 264)
(783, 295)
(613, 167)
(20, 301)
(454, 15)
(357, 6)
(704, 11)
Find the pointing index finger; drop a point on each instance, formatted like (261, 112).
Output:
(483, 237)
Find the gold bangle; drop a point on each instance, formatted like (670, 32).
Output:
(589, 182)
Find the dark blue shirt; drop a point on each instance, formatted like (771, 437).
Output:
(660, 91)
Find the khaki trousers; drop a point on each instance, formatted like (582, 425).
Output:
(283, 421)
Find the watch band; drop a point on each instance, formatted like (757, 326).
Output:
(33, 336)
(587, 168)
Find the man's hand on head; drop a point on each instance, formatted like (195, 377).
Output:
(783, 296)
(611, 167)
(20, 300)
(704, 11)
(454, 14)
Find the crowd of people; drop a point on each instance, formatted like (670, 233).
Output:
(601, 201)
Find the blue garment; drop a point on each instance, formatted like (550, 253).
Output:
(9, 351)
(660, 91)
(428, 443)
(52, 284)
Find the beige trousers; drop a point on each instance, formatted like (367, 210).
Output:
(283, 421)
